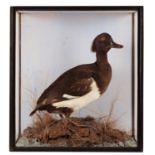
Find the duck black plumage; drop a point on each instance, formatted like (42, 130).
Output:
(80, 85)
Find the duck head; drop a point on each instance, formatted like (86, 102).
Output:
(103, 43)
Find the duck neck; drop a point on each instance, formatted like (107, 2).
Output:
(102, 58)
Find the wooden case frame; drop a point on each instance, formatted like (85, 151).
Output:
(139, 10)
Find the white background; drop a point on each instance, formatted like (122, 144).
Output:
(60, 41)
(149, 55)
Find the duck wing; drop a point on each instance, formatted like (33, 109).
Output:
(78, 87)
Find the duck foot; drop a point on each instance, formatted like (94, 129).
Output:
(53, 122)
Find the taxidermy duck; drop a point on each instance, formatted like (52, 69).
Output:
(80, 85)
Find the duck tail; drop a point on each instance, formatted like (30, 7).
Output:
(33, 112)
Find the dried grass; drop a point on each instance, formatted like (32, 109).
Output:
(74, 132)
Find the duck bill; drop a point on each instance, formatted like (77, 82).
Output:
(115, 45)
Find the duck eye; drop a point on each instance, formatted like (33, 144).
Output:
(103, 38)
